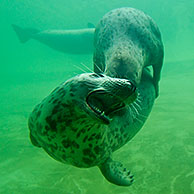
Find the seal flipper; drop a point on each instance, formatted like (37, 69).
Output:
(90, 25)
(115, 173)
(24, 34)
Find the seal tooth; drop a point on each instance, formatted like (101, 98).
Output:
(96, 109)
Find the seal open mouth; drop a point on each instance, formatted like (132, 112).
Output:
(103, 103)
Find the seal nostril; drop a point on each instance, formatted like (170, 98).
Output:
(133, 88)
(132, 85)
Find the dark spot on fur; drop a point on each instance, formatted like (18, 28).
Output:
(88, 152)
(73, 88)
(38, 113)
(90, 145)
(125, 135)
(71, 94)
(66, 143)
(116, 129)
(50, 100)
(74, 129)
(98, 136)
(78, 134)
(39, 126)
(56, 109)
(55, 101)
(88, 129)
(64, 105)
(68, 122)
(85, 138)
(91, 138)
(51, 123)
(97, 150)
(83, 130)
(75, 145)
(70, 144)
(47, 127)
(87, 161)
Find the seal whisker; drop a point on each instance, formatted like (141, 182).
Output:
(80, 68)
(137, 112)
(87, 67)
(140, 121)
(137, 105)
(138, 100)
(143, 116)
(99, 68)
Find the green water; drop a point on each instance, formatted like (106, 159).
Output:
(161, 155)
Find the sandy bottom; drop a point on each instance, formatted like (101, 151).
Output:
(161, 156)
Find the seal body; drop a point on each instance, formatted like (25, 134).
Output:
(84, 120)
(78, 41)
(74, 123)
(126, 40)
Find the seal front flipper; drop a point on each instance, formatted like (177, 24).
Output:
(115, 173)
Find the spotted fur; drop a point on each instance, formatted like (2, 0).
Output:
(64, 127)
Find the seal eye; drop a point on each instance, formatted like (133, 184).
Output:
(100, 75)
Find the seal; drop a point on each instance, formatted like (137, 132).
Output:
(129, 37)
(78, 41)
(85, 119)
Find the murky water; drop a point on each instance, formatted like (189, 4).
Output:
(161, 155)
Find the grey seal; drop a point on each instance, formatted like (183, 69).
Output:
(129, 37)
(78, 41)
(84, 120)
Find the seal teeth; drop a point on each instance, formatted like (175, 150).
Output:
(103, 113)
(97, 109)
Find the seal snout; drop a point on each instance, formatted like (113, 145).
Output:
(113, 95)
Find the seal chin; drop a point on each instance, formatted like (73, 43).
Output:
(103, 104)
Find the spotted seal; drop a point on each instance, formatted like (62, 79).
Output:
(129, 37)
(84, 120)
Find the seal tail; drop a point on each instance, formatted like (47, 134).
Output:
(24, 34)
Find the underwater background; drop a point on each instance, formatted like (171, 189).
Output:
(161, 155)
